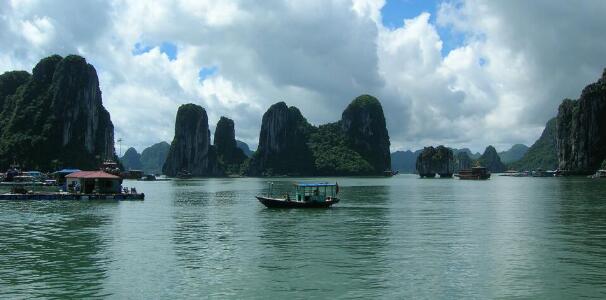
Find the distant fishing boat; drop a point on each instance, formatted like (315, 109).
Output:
(307, 195)
(475, 173)
(390, 173)
(184, 174)
(599, 174)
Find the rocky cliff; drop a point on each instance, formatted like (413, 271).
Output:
(581, 129)
(358, 144)
(131, 159)
(515, 153)
(55, 117)
(244, 147)
(228, 153)
(491, 160)
(432, 161)
(153, 157)
(363, 123)
(283, 143)
(191, 150)
(542, 154)
(462, 161)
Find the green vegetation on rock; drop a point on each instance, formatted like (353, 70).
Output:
(332, 155)
(55, 117)
(542, 154)
(358, 144)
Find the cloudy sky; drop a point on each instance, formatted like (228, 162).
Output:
(460, 73)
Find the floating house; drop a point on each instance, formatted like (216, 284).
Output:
(60, 175)
(94, 182)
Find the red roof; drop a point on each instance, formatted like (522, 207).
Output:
(92, 174)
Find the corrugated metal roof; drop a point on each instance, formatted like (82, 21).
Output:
(92, 175)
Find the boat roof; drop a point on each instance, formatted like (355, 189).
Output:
(68, 171)
(92, 174)
(318, 184)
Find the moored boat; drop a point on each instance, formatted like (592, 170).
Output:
(184, 174)
(599, 174)
(475, 173)
(307, 195)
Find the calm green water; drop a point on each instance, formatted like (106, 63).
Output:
(398, 237)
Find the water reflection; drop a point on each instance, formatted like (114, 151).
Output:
(343, 244)
(50, 251)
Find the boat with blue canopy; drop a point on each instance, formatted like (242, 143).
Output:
(306, 195)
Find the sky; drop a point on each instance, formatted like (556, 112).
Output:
(463, 73)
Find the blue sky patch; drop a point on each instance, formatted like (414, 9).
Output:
(140, 49)
(207, 72)
(167, 48)
(395, 11)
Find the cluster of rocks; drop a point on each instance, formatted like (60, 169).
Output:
(191, 150)
(432, 161)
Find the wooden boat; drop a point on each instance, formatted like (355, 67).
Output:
(184, 174)
(599, 174)
(307, 195)
(390, 173)
(475, 173)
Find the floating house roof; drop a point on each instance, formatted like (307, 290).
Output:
(67, 171)
(319, 184)
(92, 175)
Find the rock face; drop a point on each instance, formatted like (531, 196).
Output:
(54, 118)
(491, 160)
(542, 154)
(364, 125)
(283, 147)
(131, 159)
(432, 161)
(581, 129)
(515, 153)
(462, 161)
(358, 144)
(244, 147)
(228, 152)
(153, 157)
(191, 150)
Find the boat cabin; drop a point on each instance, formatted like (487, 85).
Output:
(316, 192)
(93, 182)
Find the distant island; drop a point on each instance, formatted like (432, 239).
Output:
(54, 118)
(574, 141)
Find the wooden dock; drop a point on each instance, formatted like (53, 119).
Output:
(69, 196)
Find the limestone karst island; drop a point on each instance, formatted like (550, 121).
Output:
(334, 149)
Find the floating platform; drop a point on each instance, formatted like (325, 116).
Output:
(68, 196)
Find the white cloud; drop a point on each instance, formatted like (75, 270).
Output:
(516, 63)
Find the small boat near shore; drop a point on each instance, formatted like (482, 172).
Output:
(307, 195)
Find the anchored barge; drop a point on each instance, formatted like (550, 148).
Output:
(82, 185)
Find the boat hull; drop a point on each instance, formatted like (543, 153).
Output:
(474, 177)
(283, 203)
